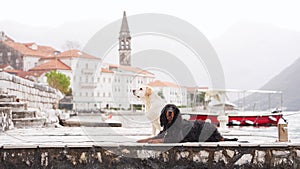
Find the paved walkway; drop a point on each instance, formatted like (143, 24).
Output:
(88, 136)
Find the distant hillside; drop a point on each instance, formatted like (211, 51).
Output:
(289, 82)
(252, 53)
(56, 37)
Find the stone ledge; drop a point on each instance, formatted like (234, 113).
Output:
(145, 156)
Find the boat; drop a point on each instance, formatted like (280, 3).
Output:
(260, 111)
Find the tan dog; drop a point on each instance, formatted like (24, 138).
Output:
(154, 104)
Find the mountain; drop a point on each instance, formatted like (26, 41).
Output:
(79, 32)
(252, 53)
(287, 81)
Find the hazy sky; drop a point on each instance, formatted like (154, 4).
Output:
(211, 17)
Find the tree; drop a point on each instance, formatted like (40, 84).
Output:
(161, 94)
(200, 98)
(72, 45)
(58, 81)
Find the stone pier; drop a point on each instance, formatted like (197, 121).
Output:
(196, 155)
(116, 147)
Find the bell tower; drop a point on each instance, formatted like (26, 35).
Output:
(125, 43)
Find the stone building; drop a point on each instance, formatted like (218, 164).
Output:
(22, 56)
(57, 65)
(172, 93)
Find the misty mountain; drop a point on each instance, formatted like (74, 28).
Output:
(79, 32)
(252, 53)
(287, 81)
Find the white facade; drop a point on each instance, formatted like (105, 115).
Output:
(109, 88)
(125, 79)
(85, 84)
(30, 62)
(172, 93)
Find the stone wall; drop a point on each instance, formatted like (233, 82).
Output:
(150, 156)
(35, 95)
(5, 118)
(10, 56)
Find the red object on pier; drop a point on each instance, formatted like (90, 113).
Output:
(217, 104)
(265, 119)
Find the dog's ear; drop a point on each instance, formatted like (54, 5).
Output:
(163, 118)
(148, 91)
(177, 114)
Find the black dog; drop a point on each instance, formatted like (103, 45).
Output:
(177, 130)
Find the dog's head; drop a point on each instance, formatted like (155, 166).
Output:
(169, 114)
(142, 92)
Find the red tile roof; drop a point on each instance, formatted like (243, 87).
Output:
(55, 64)
(106, 70)
(74, 53)
(194, 89)
(131, 69)
(5, 66)
(25, 49)
(159, 83)
(24, 74)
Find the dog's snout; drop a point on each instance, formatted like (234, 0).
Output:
(169, 113)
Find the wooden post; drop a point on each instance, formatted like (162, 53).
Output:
(282, 131)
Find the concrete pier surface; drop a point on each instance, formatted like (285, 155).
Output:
(116, 147)
(114, 135)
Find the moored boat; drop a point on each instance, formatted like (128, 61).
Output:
(243, 115)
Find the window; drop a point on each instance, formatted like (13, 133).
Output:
(8, 53)
(86, 65)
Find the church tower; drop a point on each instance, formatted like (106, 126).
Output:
(125, 43)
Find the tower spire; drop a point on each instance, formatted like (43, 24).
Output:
(124, 26)
(125, 43)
